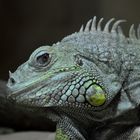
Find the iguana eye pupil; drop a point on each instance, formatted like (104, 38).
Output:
(43, 59)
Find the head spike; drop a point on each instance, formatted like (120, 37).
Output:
(120, 33)
(116, 24)
(81, 29)
(93, 26)
(99, 24)
(138, 31)
(106, 28)
(87, 28)
(132, 34)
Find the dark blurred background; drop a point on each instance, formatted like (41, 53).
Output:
(27, 24)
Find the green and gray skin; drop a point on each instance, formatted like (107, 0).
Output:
(89, 83)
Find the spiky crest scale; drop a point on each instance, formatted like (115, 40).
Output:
(138, 31)
(87, 28)
(99, 24)
(116, 24)
(92, 26)
(106, 28)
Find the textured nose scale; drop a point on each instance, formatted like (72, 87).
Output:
(11, 79)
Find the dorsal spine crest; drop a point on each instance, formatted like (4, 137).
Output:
(93, 26)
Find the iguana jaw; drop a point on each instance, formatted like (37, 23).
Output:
(24, 87)
(44, 89)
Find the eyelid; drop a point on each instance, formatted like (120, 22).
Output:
(33, 58)
(40, 53)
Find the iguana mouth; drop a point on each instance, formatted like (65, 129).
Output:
(27, 86)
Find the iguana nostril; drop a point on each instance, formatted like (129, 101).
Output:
(12, 81)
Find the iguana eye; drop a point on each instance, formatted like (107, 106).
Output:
(43, 58)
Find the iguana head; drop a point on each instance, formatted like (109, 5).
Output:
(85, 69)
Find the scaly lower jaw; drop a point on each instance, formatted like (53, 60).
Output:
(29, 85)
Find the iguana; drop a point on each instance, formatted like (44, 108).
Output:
(89, 83)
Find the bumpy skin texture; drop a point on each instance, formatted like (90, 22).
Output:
(88, 83)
